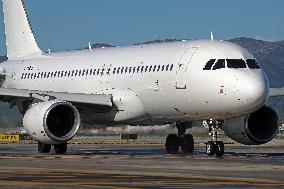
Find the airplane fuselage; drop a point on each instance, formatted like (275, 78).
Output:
(150, 83)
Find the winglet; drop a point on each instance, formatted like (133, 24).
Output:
(20, 40)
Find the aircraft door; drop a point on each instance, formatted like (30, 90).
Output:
(182, 66)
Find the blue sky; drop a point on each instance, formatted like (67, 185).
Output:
(71, 24)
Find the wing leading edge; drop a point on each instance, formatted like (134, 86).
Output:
(20, 97)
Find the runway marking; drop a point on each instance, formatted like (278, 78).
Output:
(120, 181)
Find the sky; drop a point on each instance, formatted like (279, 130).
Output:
(71, 24)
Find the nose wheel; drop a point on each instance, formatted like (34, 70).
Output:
(182, 140)
(214, 147)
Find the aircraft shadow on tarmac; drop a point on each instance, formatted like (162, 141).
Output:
(133, 152)
(157, 152)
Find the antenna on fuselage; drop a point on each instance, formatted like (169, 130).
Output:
(212, 36)
(90, 46)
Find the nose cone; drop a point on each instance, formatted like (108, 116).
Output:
(255, 90)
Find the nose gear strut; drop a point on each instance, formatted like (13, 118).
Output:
(214, 146)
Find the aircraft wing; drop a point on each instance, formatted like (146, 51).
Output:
(100, 102)
(274, 92)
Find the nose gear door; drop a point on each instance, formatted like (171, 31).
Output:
(182, 66)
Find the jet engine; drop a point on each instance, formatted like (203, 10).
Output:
(257, 128)
(52, 122)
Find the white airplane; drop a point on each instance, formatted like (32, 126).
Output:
(178, 82)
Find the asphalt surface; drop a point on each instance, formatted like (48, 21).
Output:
(141, 166)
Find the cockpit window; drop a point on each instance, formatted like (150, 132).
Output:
(236, 63)
(219, 64)
(252, 64)
(209, 64)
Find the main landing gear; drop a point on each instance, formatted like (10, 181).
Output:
(58, 148)
(185, 141)
(214, 146)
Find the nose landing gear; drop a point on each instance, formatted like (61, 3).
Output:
(185, 141)
(214, 146)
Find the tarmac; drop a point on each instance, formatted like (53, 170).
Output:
(141, 166)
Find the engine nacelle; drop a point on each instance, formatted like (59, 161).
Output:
(52, 122)
(257, 128)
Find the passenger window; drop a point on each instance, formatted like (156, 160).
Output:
(142, 69)
(146, 68)
(126, 69)
(108, 71)
(236, 63)
(118, 70)
(94, 71)
(103, 72)
(163, 68)
(172, 67)
(154, 69)
(159, 67)
(209, 64)
(114, 70)
(138, 69)
(98, 72)
(130, 69)
(252, 64)
(134, 69)
(167, 67)
(83, 73)
(150, 68)
(219, 64)
(122, 69)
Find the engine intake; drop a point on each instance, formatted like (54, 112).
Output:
(52, 122)
(257, 128)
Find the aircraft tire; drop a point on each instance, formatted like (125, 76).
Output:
(187, 144)
(60, 148)
(172, 144)
(43, 148)
(219, 148)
